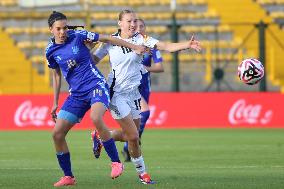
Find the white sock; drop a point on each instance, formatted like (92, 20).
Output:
(139, 165)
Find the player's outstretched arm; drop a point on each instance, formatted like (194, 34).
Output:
(56, 82)
(155, 68)
(173, 47)
(139, 49)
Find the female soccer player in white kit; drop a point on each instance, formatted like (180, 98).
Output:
(152, 61)
(124, 79)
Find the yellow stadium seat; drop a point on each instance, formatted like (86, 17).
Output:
(223, 28)
(199, 2)
(24, 44)
(163, 15)
(190, 29)
(105, 29)
(30, 44)
(14, 30)
(150, 2)
(181, 15)
(26, 30)
(135, 3)
(39, 59)
(277, 14)
(268, 2)
(279, 1)
(146, 15)
(182, 2)
(104, 15)
(8, 3)
(40, 44)
(205, 29)
(265, 2)
(157, 29)
(165, 2)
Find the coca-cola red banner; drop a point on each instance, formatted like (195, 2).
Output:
(168, 110)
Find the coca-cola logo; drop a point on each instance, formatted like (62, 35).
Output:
(157, 117)
(244, 113)
(29, 115)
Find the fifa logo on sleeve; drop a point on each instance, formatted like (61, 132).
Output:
(75, 49)
(91, 36)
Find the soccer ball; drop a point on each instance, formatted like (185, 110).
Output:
(250, 71)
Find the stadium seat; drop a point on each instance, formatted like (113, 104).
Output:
(270, 2)
(26, 30)
(105, 29)
(38, 15)
(101, 2)
(113, 29)
(204, 22)
(7, 3)
(31, 44)
(104, 15)
(134, 3)
(205, 29)
(39, 59)
(277, 14)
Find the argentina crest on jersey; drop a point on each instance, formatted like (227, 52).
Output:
(75, 49)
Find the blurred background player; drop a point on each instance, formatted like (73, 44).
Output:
(153, 55)
(67, 53)
(124, 80)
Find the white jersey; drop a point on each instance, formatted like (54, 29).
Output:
(126, 65)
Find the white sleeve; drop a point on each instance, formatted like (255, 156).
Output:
(102, 51)
(149, 41)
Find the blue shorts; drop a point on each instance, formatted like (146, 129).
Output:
(74, 108)
(145, 87)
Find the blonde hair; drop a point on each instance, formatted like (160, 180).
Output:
(122, 13)
(141, 20)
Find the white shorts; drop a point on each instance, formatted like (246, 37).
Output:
(124, 104)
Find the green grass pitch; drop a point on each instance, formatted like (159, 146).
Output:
(190, 158)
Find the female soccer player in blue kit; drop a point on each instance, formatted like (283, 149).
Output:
(154, 56)
(67, 53)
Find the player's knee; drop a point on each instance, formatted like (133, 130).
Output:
(97, 120)
(57, 136)
(133, 137)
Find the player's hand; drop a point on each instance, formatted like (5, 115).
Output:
(53, 113)
(140, 49)
(148, 50)
(194, 44)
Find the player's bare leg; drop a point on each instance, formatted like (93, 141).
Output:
(97, 112)
(145, 113)
(59, 133)
(129, 128)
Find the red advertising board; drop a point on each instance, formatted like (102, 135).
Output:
(168, 110)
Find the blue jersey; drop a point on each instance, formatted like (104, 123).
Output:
(74, 60)
(145, 87)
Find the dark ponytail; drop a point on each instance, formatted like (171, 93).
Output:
(55, 16)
